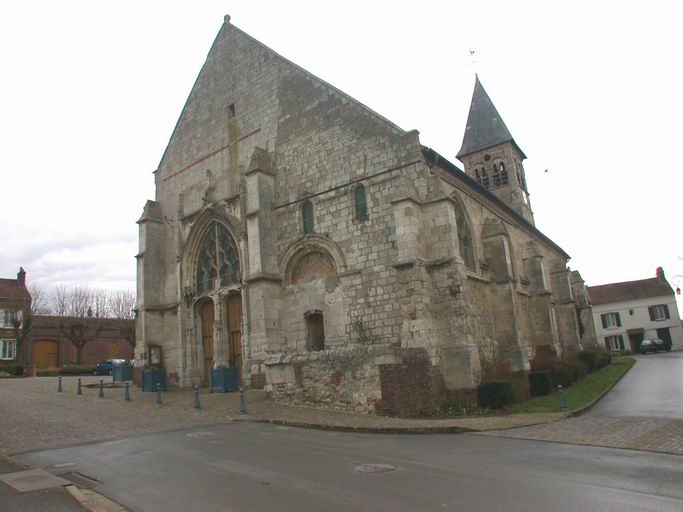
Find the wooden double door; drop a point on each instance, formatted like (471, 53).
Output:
(233, 308)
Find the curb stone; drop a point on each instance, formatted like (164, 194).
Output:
(93, 501)
(364, 430)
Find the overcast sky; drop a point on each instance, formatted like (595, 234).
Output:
(591, 91)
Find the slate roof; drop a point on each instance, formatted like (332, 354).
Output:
(11, 289)
(628, 290)
(485, 128)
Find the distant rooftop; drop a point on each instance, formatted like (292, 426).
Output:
(629, 290)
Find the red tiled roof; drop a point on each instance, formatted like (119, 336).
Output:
(628, 290)
(11, 289)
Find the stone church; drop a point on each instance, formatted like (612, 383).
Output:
(330, 257)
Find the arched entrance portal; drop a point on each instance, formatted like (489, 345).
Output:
(207, 316)
(234, 311)
(45, 354)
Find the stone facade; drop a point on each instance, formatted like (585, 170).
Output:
(324, 251)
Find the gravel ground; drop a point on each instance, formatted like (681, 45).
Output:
(34, 416)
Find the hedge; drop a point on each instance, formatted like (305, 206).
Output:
(77, 369)
(540, 383)
(590, 359)
(15, 370)
(495, 394)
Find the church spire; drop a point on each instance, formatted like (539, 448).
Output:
(485, 128)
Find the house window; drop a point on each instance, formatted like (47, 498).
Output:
(659, 312)
(614, 343)
(218, 263)
(610, 320)
(316, 330)
(7, 317)
(361, 203)
(8, 349)
(307, 216)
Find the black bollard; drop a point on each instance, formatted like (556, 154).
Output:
(158, 401)
(59, 384)
(197, 405)
(126, 393)
(563, 405)
(78, 387)
(243, 403)
(100, 393)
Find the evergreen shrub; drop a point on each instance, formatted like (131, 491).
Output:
(495, 394)
(540, 383)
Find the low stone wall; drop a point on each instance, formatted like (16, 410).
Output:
(377, 379)
(346, 379)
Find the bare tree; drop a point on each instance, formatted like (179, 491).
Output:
(121, 307)
(39, 299)
(80, 332)
(22, 324)
(75, 304)
(71, 301)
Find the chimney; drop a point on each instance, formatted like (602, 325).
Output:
(21, 277)
(660, 274)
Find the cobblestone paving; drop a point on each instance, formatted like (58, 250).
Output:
(662, 435)
(34, 416)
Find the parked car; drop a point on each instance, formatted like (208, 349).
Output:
(106, 367)
(654, 345)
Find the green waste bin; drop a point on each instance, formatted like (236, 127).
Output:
(123, 372)
(153, 376)
(224, 379)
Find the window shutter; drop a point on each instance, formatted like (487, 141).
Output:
(621, 342)
(618, 320)
(651, 309)
(666, 312)
(604, 321)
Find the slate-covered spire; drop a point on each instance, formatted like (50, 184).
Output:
(485, 127)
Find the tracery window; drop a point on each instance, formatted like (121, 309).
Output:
(464, 238)
(218, 263)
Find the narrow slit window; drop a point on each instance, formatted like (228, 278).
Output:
(361, 203)
(307, 215)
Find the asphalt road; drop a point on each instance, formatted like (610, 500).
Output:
(653, 388)
(248, 467)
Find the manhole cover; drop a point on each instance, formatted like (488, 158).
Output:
(373, 468)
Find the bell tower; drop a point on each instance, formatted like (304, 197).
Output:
(492, 157)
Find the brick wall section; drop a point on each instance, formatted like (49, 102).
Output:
(412, 387)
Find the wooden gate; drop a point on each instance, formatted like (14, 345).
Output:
(234, 307)
(207, 317)
(45, 354)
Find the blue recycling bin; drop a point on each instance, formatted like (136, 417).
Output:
(224, 379)
(122, 372)
(153, 376)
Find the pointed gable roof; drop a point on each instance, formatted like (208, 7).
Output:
(629, 290)
(485, 128)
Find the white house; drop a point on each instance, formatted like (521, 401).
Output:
(627, 313)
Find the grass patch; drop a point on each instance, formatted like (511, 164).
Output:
(581, 393)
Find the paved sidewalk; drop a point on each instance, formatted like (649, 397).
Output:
(663, 435)
(54, 499)
(37, 417)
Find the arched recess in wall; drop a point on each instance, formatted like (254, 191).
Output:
(211, 256)
(312, 258)
(465, 239)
